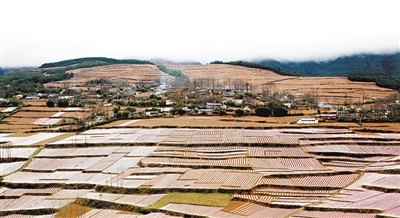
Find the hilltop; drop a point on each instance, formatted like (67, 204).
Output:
(370, 64)
(164, 61)
(32, 80)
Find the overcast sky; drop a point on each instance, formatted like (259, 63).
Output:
(34, 32)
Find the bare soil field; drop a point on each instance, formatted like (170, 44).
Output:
(334, 89)
(222, 122)
(19, 128)
(329, 89)
(24, 114)
(394, 127)
(40, 108)
(46, 114)
(130, 73)
(230, 173)
(19, 121)
(222, 72)
(35, 102)
(29, 118)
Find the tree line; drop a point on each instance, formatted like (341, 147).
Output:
(181, 80)
(93, 61)
(391, 82)
(371, 64)
(277, 70)
(29, 81)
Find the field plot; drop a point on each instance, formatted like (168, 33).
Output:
(13, 125)
(30, 114)
(103, 213)
(265, 173)
(360, 150)
(185, 121)
(32, 201)
(254, 210)
(292, 191)
(28, 202)
(332, 214)
(197, 210)
(57, 114)
(20, 192)
(350, 139)
(103, 163)
(46, 121)
(30, 139)
(318, 181)
(78, 152)
(12, 152)
(357, 197)
(187, 136)
(41, 108)
(235, 122)
(9, 110)
(270, 166)
(126, 199)
(7, 168)
(34, 118)
(196, 179)
(187, 162)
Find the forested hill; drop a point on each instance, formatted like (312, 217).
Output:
(93, 61)
(366, 64)
(32, 80)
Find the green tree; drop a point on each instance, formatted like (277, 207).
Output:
(130, 109)
(240, 112)
(115, 110)
(280, 111)
(239, 96)
(50, 103)
(263, 111)
(63, 103)
(122, 115)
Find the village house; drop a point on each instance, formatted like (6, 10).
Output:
(307, 121)
(214, 106)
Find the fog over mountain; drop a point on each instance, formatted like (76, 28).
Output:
(371, 64)
(204, 31)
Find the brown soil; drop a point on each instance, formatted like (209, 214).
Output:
(222, 122)
(24, 114)
(38, 108)
(330, 89)
(72, 210)
(233, 205)
(128, 73)
(35, 102)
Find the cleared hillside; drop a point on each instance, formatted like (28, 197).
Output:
(330, 89)
(224, 73)
(117, 73)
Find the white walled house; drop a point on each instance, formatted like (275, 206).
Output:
(307, 121)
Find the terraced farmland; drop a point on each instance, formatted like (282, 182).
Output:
(40, 118)
(128, 172)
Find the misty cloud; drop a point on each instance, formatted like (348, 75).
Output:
(47, 31)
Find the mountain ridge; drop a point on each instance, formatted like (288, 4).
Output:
(367, 64)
